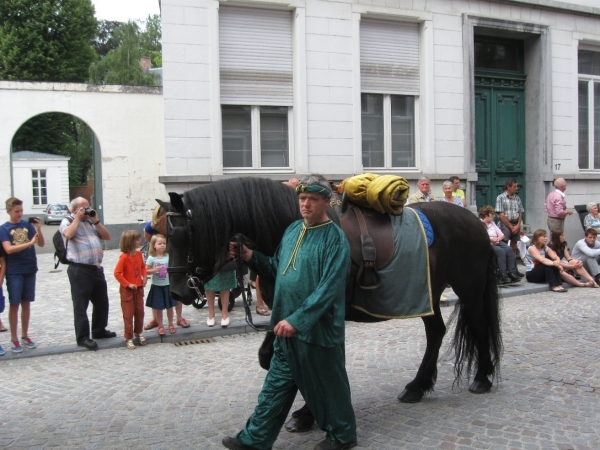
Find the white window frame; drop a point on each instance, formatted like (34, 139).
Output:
(387, 133)
(591, 80)
(256, 146)
(37, 177)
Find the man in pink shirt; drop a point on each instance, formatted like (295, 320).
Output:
(556, 206)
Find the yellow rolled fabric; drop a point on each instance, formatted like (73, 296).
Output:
(356, 188)
(388, 194)
(384, 193)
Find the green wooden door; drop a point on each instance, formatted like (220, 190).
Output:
(499, 138)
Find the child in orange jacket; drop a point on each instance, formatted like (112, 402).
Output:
(130, 272)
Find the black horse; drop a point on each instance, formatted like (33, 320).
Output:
(202, 222)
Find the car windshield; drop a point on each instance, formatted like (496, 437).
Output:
(58, 208)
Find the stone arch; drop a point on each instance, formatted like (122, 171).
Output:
(128, 123)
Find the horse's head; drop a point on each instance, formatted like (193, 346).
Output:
(185, 275)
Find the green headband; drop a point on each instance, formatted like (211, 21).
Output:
(313, 188)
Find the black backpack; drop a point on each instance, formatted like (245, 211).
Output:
(60, 249)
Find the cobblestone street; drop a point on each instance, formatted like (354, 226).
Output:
(167, 397)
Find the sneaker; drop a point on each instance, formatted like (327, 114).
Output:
(2, 352)
(16, 348)
(28, 342)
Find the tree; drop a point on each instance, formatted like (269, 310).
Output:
(59, 134)
(121, 65)
(46, 40)
(104, 41)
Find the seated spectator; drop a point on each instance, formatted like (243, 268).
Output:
(543, 264)
(570, 265)
(449, 196)
(587, 250)
(458, 192)
(424, 192)
(506, 257)
(592, 220)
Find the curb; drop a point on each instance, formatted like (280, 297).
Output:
(449, 298)
(198, 332)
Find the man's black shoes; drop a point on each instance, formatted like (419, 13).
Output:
(234, 444)
(326, 444)
(104, 334)
(90, 344)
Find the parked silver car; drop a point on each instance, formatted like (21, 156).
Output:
(55, 213)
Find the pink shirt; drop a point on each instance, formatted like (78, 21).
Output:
(555, 204)
(493, 229)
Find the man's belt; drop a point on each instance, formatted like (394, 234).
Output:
(84, 266)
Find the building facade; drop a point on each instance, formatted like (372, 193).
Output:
(40, 179)
(481, 89)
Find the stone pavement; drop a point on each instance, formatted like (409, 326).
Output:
(164, 396)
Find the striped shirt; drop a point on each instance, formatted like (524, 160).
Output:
(510, 206)
(86, 246)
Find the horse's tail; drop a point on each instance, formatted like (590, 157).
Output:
(479, 318)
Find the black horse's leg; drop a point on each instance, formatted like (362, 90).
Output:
(302, 420)
(481, 383)
(427, 373)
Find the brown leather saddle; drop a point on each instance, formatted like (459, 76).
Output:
(371, 239)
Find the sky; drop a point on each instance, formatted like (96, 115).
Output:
(123, 10)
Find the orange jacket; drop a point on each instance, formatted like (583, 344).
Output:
(131, 269)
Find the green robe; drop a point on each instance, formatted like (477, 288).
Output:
(310, 294)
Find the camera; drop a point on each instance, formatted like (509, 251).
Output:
(33, 220)
(89, 211)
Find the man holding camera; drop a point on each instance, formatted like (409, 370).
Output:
(83, 234)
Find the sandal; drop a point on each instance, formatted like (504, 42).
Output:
(561, 290)
(130, 344)
(182, 323)
(141, 339)
(172, 329)
(152, 324)
(3, 328)
(161, 331)
(262, 311)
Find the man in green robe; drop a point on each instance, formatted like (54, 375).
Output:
(310, 268)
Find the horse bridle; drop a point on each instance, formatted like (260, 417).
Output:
(192, 273)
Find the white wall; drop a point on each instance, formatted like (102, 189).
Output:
(129, 125)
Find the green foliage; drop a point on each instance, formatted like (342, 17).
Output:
(46, 40)
(121, 65)
(104, 40)
(59, 134)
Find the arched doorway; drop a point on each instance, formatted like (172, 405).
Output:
(55, 157)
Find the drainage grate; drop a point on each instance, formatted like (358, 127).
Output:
(195, 341)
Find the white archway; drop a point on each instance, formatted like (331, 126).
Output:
(128, 123)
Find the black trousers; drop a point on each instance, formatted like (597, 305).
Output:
(88, 285)
(542, 273)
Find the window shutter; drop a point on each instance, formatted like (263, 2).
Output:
(389, 57)
(255, 56)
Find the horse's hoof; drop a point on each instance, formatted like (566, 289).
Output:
(299, 425)
(480, 387)
(407, 396)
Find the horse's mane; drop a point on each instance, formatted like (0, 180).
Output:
(259, 208)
